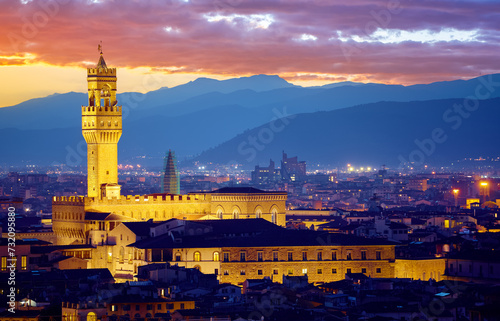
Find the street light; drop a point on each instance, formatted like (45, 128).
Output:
(455, 192)
(484, 185)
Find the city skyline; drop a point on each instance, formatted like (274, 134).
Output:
(306, 43)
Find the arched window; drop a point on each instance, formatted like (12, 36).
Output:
(258, 213)
(197, 256)
(91, 316)
(274, 215)
(197, 267)
(216, 256)
(219, 213)
(236, 213)
(177, 257)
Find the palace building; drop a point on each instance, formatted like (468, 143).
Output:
(89, 219)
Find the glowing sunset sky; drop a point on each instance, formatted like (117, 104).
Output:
(45, 43)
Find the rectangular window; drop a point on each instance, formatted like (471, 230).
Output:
(226, 256)
(110, 257)
(320, 271)
(149, 307)
(304, 271)
(451, 267)
(290, 271)
(243, 256)
(275, 256)
(334, 256)
(259, 272)
(334, 271)
(137, 307)
(226, 272)
(349, 256)
(320, 256)
(23, 262)
(378, 255)
(348, 270)
(182, 306)
(159, 307)
(290, 256)
(363, 255)
(275, 271)
(4, 263)
(242, 272)
(216, 271)
(363, 270)
(170, 306)
(379, 270)
(304, 256)
(260, 256)
(126, 307)
(114, 307)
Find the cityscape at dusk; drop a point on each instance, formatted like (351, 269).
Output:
(249, 160)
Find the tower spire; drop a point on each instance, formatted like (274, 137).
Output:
(102, 128)
(101, 63)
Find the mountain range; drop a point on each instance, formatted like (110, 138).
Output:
(211, 120)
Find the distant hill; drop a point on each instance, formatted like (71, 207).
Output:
(372, 134)
(205, 113)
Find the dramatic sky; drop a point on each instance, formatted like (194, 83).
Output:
(45, 44)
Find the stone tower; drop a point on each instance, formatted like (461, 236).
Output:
(102, 128)
(171, 177)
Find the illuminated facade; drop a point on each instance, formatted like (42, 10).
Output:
(88, 219)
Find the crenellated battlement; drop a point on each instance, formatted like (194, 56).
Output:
(101, 72)
(149, 199)
(68, 200)
(101, 111)
(131, 199)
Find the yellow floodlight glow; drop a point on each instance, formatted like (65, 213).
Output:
(484, 183)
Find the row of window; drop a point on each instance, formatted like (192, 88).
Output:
(14, 261)
(290, 271)
(159, 307)
(275, 256)
(101, 123)
(451, 269)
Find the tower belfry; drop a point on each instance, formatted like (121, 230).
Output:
(102, 129)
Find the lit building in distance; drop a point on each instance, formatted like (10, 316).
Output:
(171, 179)
(292, 170)
(265, 175)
